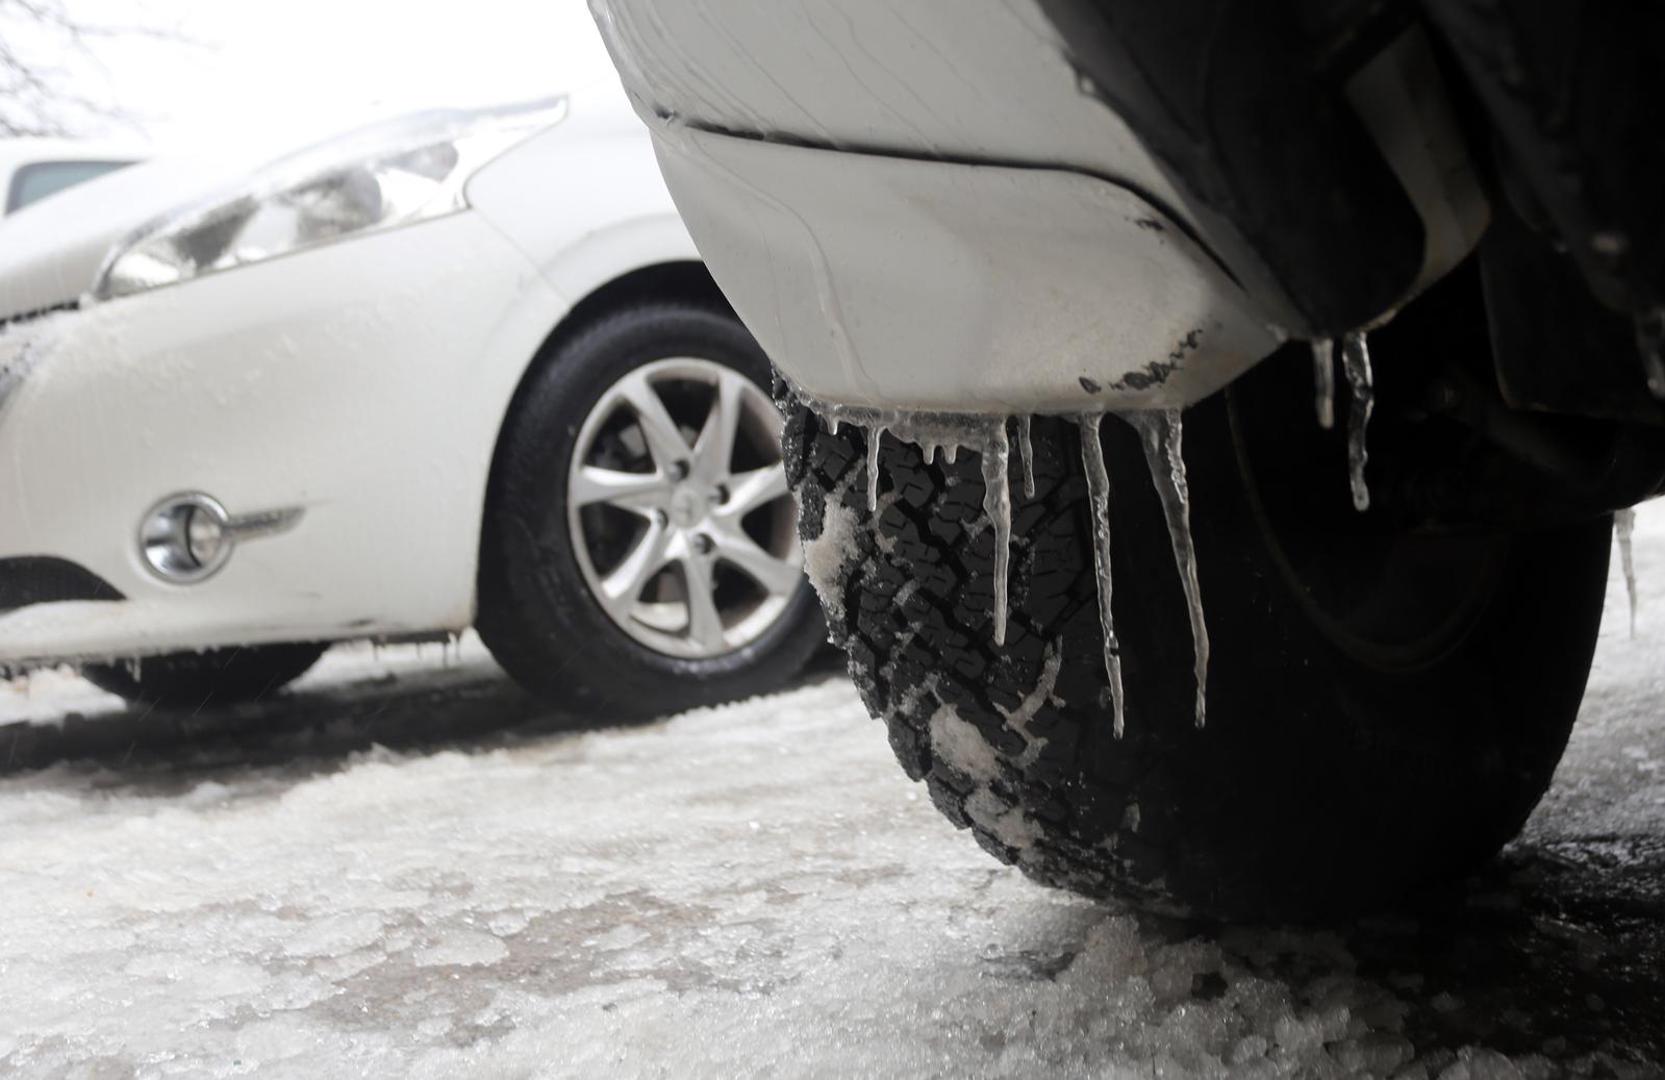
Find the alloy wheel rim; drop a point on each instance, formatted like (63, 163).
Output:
(678, 509)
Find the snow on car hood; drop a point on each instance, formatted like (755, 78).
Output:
(51, 252)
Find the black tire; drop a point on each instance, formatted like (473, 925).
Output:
(1337, 769)
(189, 680)
(536, 614)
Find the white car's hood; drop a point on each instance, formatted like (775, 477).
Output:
(51, 252)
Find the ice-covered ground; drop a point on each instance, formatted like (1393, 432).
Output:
(754, 890)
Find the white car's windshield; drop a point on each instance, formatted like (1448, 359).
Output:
(32, 183)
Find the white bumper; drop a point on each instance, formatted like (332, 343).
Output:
(886, 282)
(362, 382)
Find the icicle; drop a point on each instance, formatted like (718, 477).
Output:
(1163, 436)
(1650, 341)
(1323, 381)
(1098, 493)
(874, 434)
(997, 504)
(1355, 360)
(1026, 451)
(1654, 365)
(1624, 523)
(944, 433)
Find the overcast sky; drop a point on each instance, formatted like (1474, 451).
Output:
(280, 70)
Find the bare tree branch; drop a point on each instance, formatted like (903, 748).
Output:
(41, 43)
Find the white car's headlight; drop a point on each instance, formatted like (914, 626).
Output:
(379, 178)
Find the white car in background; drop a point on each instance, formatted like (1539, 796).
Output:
(458, 369)
(33, 168)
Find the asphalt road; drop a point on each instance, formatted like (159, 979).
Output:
(405, 869)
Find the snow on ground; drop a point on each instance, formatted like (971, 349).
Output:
(747, 891)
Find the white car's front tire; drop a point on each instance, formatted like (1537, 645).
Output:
(639, 554)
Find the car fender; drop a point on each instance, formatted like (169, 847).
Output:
(603, 258)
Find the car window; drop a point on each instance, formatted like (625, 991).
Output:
(35, 182)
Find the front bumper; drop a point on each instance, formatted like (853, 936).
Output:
(948, 210)
(890, 283)
(927, 213)
(343, 382)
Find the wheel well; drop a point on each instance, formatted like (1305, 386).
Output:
(685, 280)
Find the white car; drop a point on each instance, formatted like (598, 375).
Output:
(458, 369)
